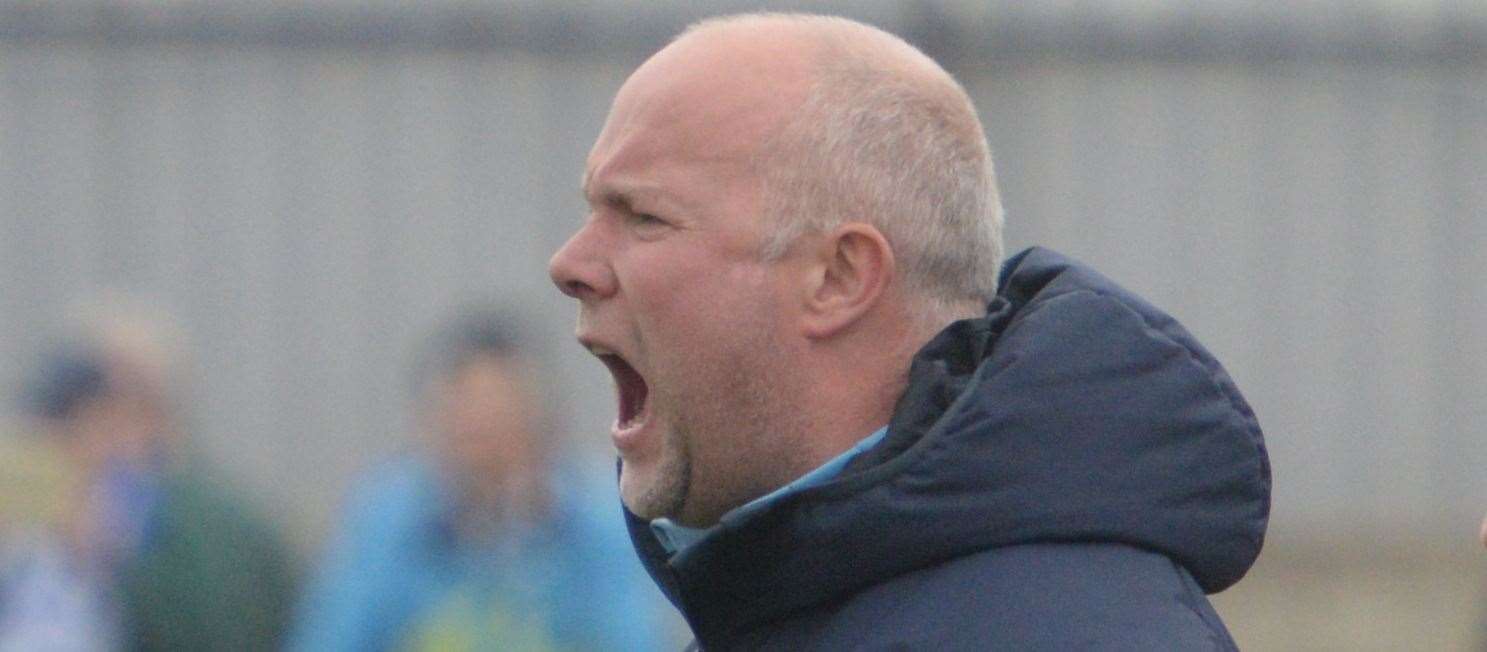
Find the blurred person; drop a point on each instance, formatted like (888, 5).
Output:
(153, 552)
(48, 600)
(838, 430)
(484, 539)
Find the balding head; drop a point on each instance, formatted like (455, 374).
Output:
(882, 135)
(782, 210)
(821, 38)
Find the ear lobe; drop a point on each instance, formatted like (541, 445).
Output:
(852, 271)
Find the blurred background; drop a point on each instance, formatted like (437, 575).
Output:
(310, 188)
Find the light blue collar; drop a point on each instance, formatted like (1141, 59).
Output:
(675, 537)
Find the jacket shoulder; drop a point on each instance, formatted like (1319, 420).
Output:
(1043, 596)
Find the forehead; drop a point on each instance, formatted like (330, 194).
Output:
(699, 105)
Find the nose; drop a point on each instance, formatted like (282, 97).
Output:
(579, 268)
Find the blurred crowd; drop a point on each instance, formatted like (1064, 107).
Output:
(115, 533)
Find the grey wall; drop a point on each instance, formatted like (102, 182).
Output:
(311, 191)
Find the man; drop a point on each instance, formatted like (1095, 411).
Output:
(481, 539)
(836, 429)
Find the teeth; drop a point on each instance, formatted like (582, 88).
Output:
(599, 350)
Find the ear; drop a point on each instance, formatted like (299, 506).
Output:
(852, 269)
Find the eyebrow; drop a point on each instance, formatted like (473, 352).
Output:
(615, 198)
(586, 190)
(623, 196)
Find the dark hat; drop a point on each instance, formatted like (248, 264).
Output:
(64, 380)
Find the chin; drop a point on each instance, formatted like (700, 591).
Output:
(651, 493)
(636, 493)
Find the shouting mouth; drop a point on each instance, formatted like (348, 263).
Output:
(632, 391)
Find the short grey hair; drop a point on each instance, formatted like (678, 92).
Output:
(877, 143)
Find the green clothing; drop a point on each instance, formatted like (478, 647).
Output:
(210, 576)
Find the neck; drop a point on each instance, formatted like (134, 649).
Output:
(854, 394)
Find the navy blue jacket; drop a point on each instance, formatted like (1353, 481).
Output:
(1072, 471)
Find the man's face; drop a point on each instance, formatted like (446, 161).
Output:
(674, 297)
(483, 420)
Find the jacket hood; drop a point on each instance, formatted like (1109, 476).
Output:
(1073, 411)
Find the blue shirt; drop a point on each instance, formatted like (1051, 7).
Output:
(675, 537)
(397, 575)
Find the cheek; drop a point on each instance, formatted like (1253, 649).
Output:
(688, 298)
(715, 288)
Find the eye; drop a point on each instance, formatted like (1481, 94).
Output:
(646, 219)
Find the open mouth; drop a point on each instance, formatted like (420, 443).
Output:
(632, 390)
